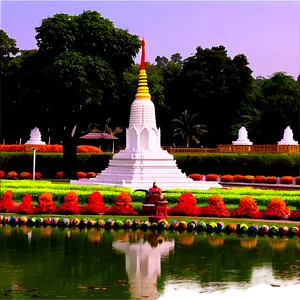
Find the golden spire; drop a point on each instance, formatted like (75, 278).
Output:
(143, 90)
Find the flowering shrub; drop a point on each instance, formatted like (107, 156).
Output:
(2, 175)
(26, 205)
(49, 148)
(45, 204)
(186, 205)
(238, 178)
(226, 178)
(6, 203)
(276, 209)
(91, 175)
(286, 180)
(212, 177)
(81, 175)
(12, 175)
(295, 215)
(59, 175)
(259, 179)
(247, 209)
(248, 179)
(216, 208)
(297, 179)
(271, 179)
(95, 204)
(70, 204)
(25, 175)
(38, 175)
(122, 205)
(196, 177)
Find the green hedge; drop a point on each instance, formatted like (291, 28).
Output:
(244, 164)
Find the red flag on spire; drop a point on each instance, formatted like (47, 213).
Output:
(142, 65)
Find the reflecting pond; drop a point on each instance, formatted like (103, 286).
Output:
(73, 263)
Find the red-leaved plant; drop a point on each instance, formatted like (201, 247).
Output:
(196, 177)
(286, 180)
(26, 205)
(297, 179)
(211, 177)
(81, 175)
(2, 175)
(95, 204)
(215, 208)
(59, 175)
(259, 179)
(45, 204)
(276, 209)
(248, 179)
(226, 178)
(122, 205)
(25, 175)
(70, 205)
(6, 203)
(91, 175)
(247, 209)
(238, 178)
(12, 175)
(295, 215)
(186, 206)
(271, 180)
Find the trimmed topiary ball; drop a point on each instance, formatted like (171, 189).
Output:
(273, 230)
(242, 228)
(47, 221)
(109, 223)
(182, 225)
(191, 226)
(91, 223)
(31, 221)
(7, 220)
(283, 230)
(220, 226)
(230, 228)
(174, 224)
(118, 224)
(23, 220)
(54, 221)
(202, 226)
(211, 226)
(64, 222)
(83, 222)
(253, 229)
(294, 230)
(153, 226)
(75, 222)
(136, 224)
(39, 221)
(145, 225)
(14, 220)
(1, 218)
(100, 223)
(128, 224)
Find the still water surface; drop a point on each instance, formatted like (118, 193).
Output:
(53, 263)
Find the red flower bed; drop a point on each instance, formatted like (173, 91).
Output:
(271, 179)
(248, 179)
(211, 177)
(59, 175)
(295, 215)
(49, 148)
(81, 175)
(2, 175)
(259, 179)
(26, 205)
(25, 175)
(215, 208)
(38, 175)
(95, 204)
(122, 205)
(247, 209)
(6, 203)
(196, 177)
(297, 179)
(186, 206)
(238, 178)
(12, 175)
(45, 204)
(226, 178)
(91, 175)
(276, 209)
(70, 205)
(286, 180)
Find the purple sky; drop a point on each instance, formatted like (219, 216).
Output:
(266, 32)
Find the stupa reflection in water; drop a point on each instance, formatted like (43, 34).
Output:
(143, 263)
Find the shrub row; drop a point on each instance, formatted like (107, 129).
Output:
(49, 148)
(268, 164)
(246, 178)
(186, 205)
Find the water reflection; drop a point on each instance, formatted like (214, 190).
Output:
(143, 262)
(85, 263)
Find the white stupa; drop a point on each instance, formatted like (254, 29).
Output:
(288, 138)
(144, 161)
(143, 265)
(242, 138)
(35, 137)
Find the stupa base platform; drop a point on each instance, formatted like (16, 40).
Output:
(242, 143)
(146, 184)
(287, 143)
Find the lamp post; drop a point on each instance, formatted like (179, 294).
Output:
(34, 159)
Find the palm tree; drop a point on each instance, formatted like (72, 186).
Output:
(186, 129)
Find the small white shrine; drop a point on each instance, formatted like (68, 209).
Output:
(242, 138)
(35, 137)
(288, 138)
(143, 265)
